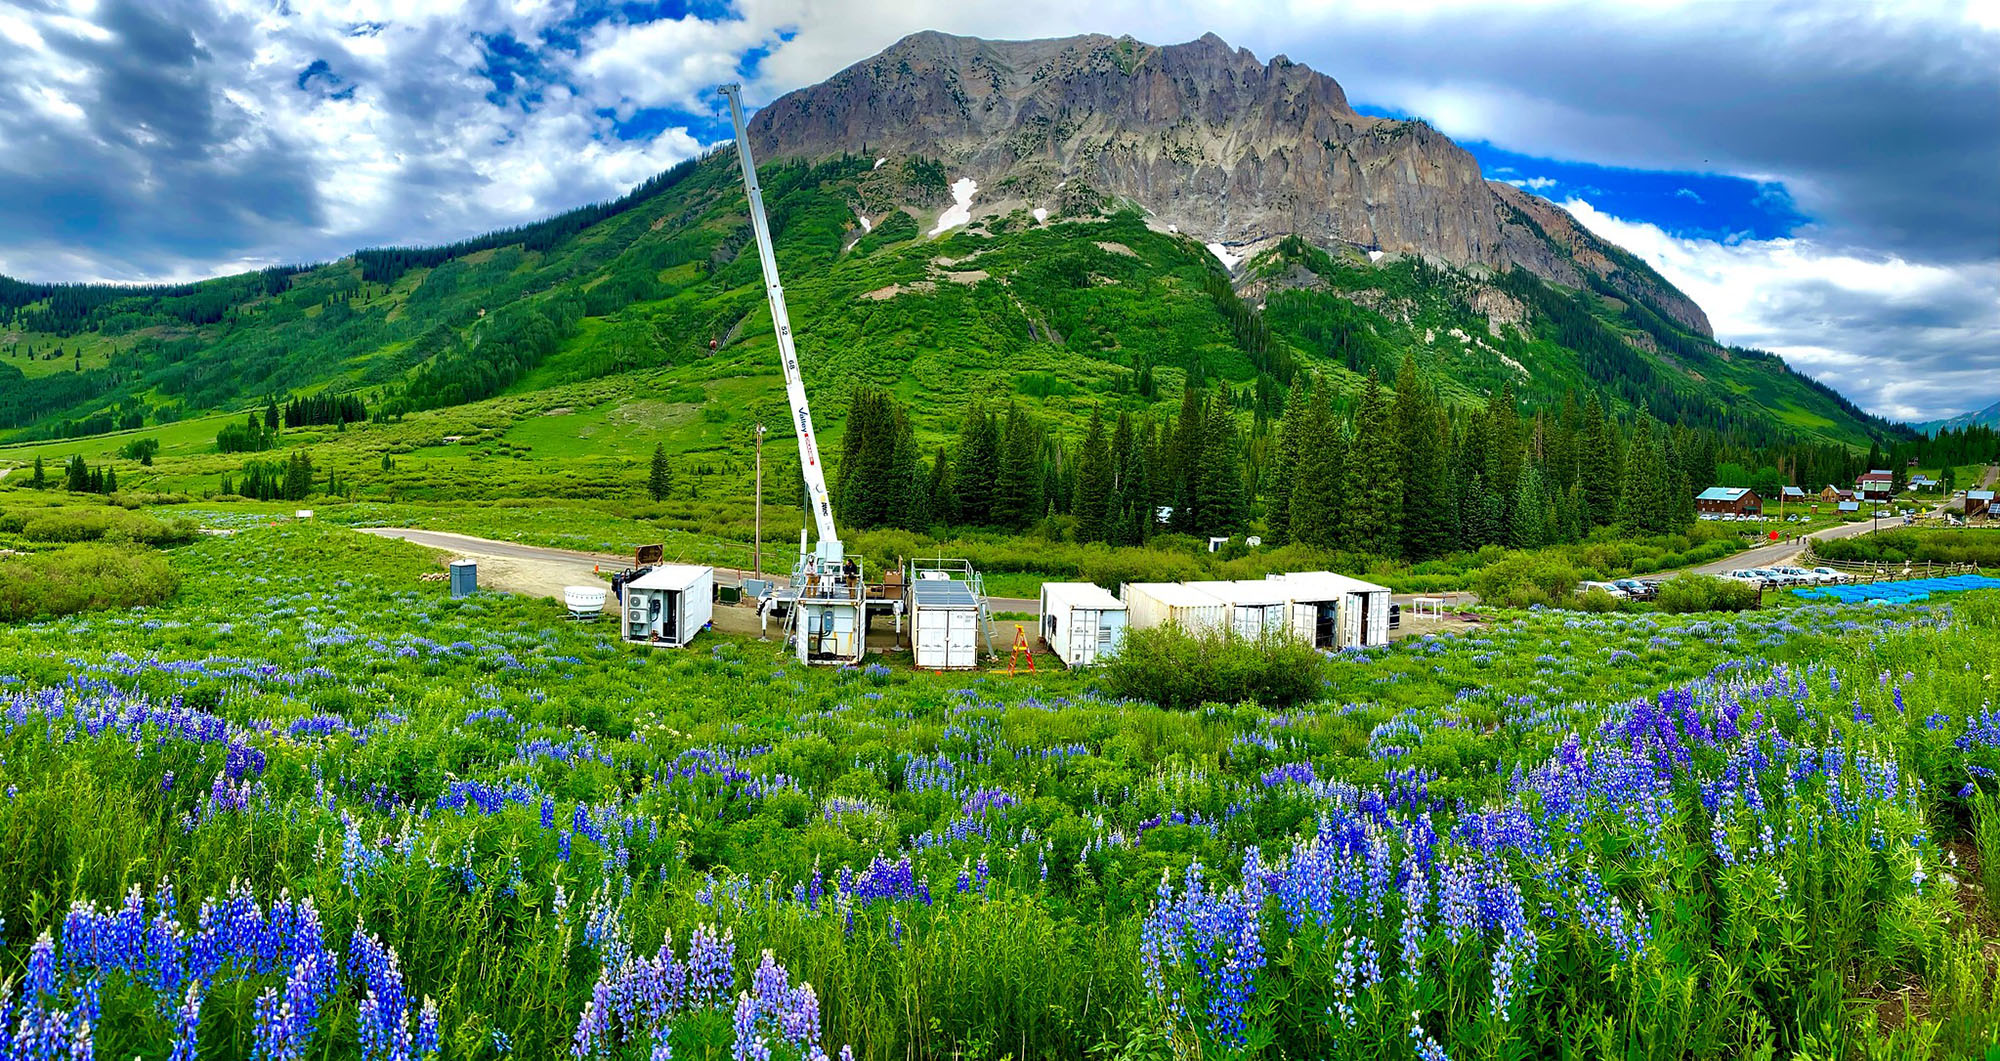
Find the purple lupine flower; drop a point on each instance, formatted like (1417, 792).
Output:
(187, 1024)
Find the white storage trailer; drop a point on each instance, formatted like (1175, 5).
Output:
(1334, 611)
(1082, 622)
(668, 605)
(1256, 606)
(1154, 604)
(944, 623)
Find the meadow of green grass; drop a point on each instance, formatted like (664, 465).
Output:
(1745, 835)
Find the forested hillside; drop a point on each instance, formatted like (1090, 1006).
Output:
(1094, 303)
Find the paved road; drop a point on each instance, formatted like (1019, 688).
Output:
(1779, 552)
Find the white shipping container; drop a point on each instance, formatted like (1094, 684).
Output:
(1082, 622)
(1335, 611)
(1155, 604)
(944, 617)
(668, 605)
(1256, 606)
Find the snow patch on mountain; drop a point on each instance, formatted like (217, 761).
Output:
(960, 211)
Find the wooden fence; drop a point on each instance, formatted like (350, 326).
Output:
(1884, 570)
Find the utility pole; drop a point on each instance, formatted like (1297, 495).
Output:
(757, 534)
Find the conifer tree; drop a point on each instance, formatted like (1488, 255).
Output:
(1427, 507)
(1528, 528)
(1285, 463)
(1017, 495)
(943, 499)
(1219, 484)
(660, 477)
(910, 479)
(1138, 500)
(41, 478)
(1597, 469)
(1183, 470)
(1316, 495)
(975, 476)
(110, 481)
(1374, 485)
(1095, 481)
(872, 485)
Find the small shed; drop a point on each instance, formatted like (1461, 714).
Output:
(1978, 503)
(1850, 506)
(1332, 611)
(1256, 606)
(1154, 604)
(944, 622)
(1792, 495)
(1082, 622)
(667, 605)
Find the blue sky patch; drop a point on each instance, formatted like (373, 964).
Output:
(1712, 206)
(648, 122)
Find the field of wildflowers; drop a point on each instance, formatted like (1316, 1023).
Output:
(312, 808)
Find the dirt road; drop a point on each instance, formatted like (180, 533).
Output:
(530, 570)
(543, 572)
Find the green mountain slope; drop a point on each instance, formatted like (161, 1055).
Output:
(1093, 303)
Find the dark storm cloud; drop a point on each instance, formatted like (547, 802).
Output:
(159, 168)
(1884, 125)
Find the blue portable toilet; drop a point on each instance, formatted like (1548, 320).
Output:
(464, 578)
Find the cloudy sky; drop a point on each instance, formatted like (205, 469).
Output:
(1823, 178)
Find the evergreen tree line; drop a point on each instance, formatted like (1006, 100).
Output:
(290, 479)
(1408, 476)
(254, 435)
(325, 409)
(1972, 444)
(71, 309)
(80, 478)
(1400, 475)
(386, 264)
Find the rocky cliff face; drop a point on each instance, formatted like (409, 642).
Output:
(1205, 137)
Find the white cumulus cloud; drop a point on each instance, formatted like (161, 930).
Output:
(1903, 339)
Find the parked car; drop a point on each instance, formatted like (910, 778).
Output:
(1638, 589)
(1749, 577)
(1608, 587)
(1827, 574)
(1795, 576)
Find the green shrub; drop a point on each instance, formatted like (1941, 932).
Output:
(1526, 579)
(1595, 600)
(1706, 593)
(106, 524)
(81, 577)
(1174, 668)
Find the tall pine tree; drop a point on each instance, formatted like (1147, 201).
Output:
(1421, 444)
(976, 475)
(660, 476)
(1374, 512)
(1219, 485)
(1285, 463)
(1017, 495)
(1096, 481)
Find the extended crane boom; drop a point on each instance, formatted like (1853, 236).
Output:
(830, 551)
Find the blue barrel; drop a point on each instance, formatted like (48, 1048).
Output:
(464, 578)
